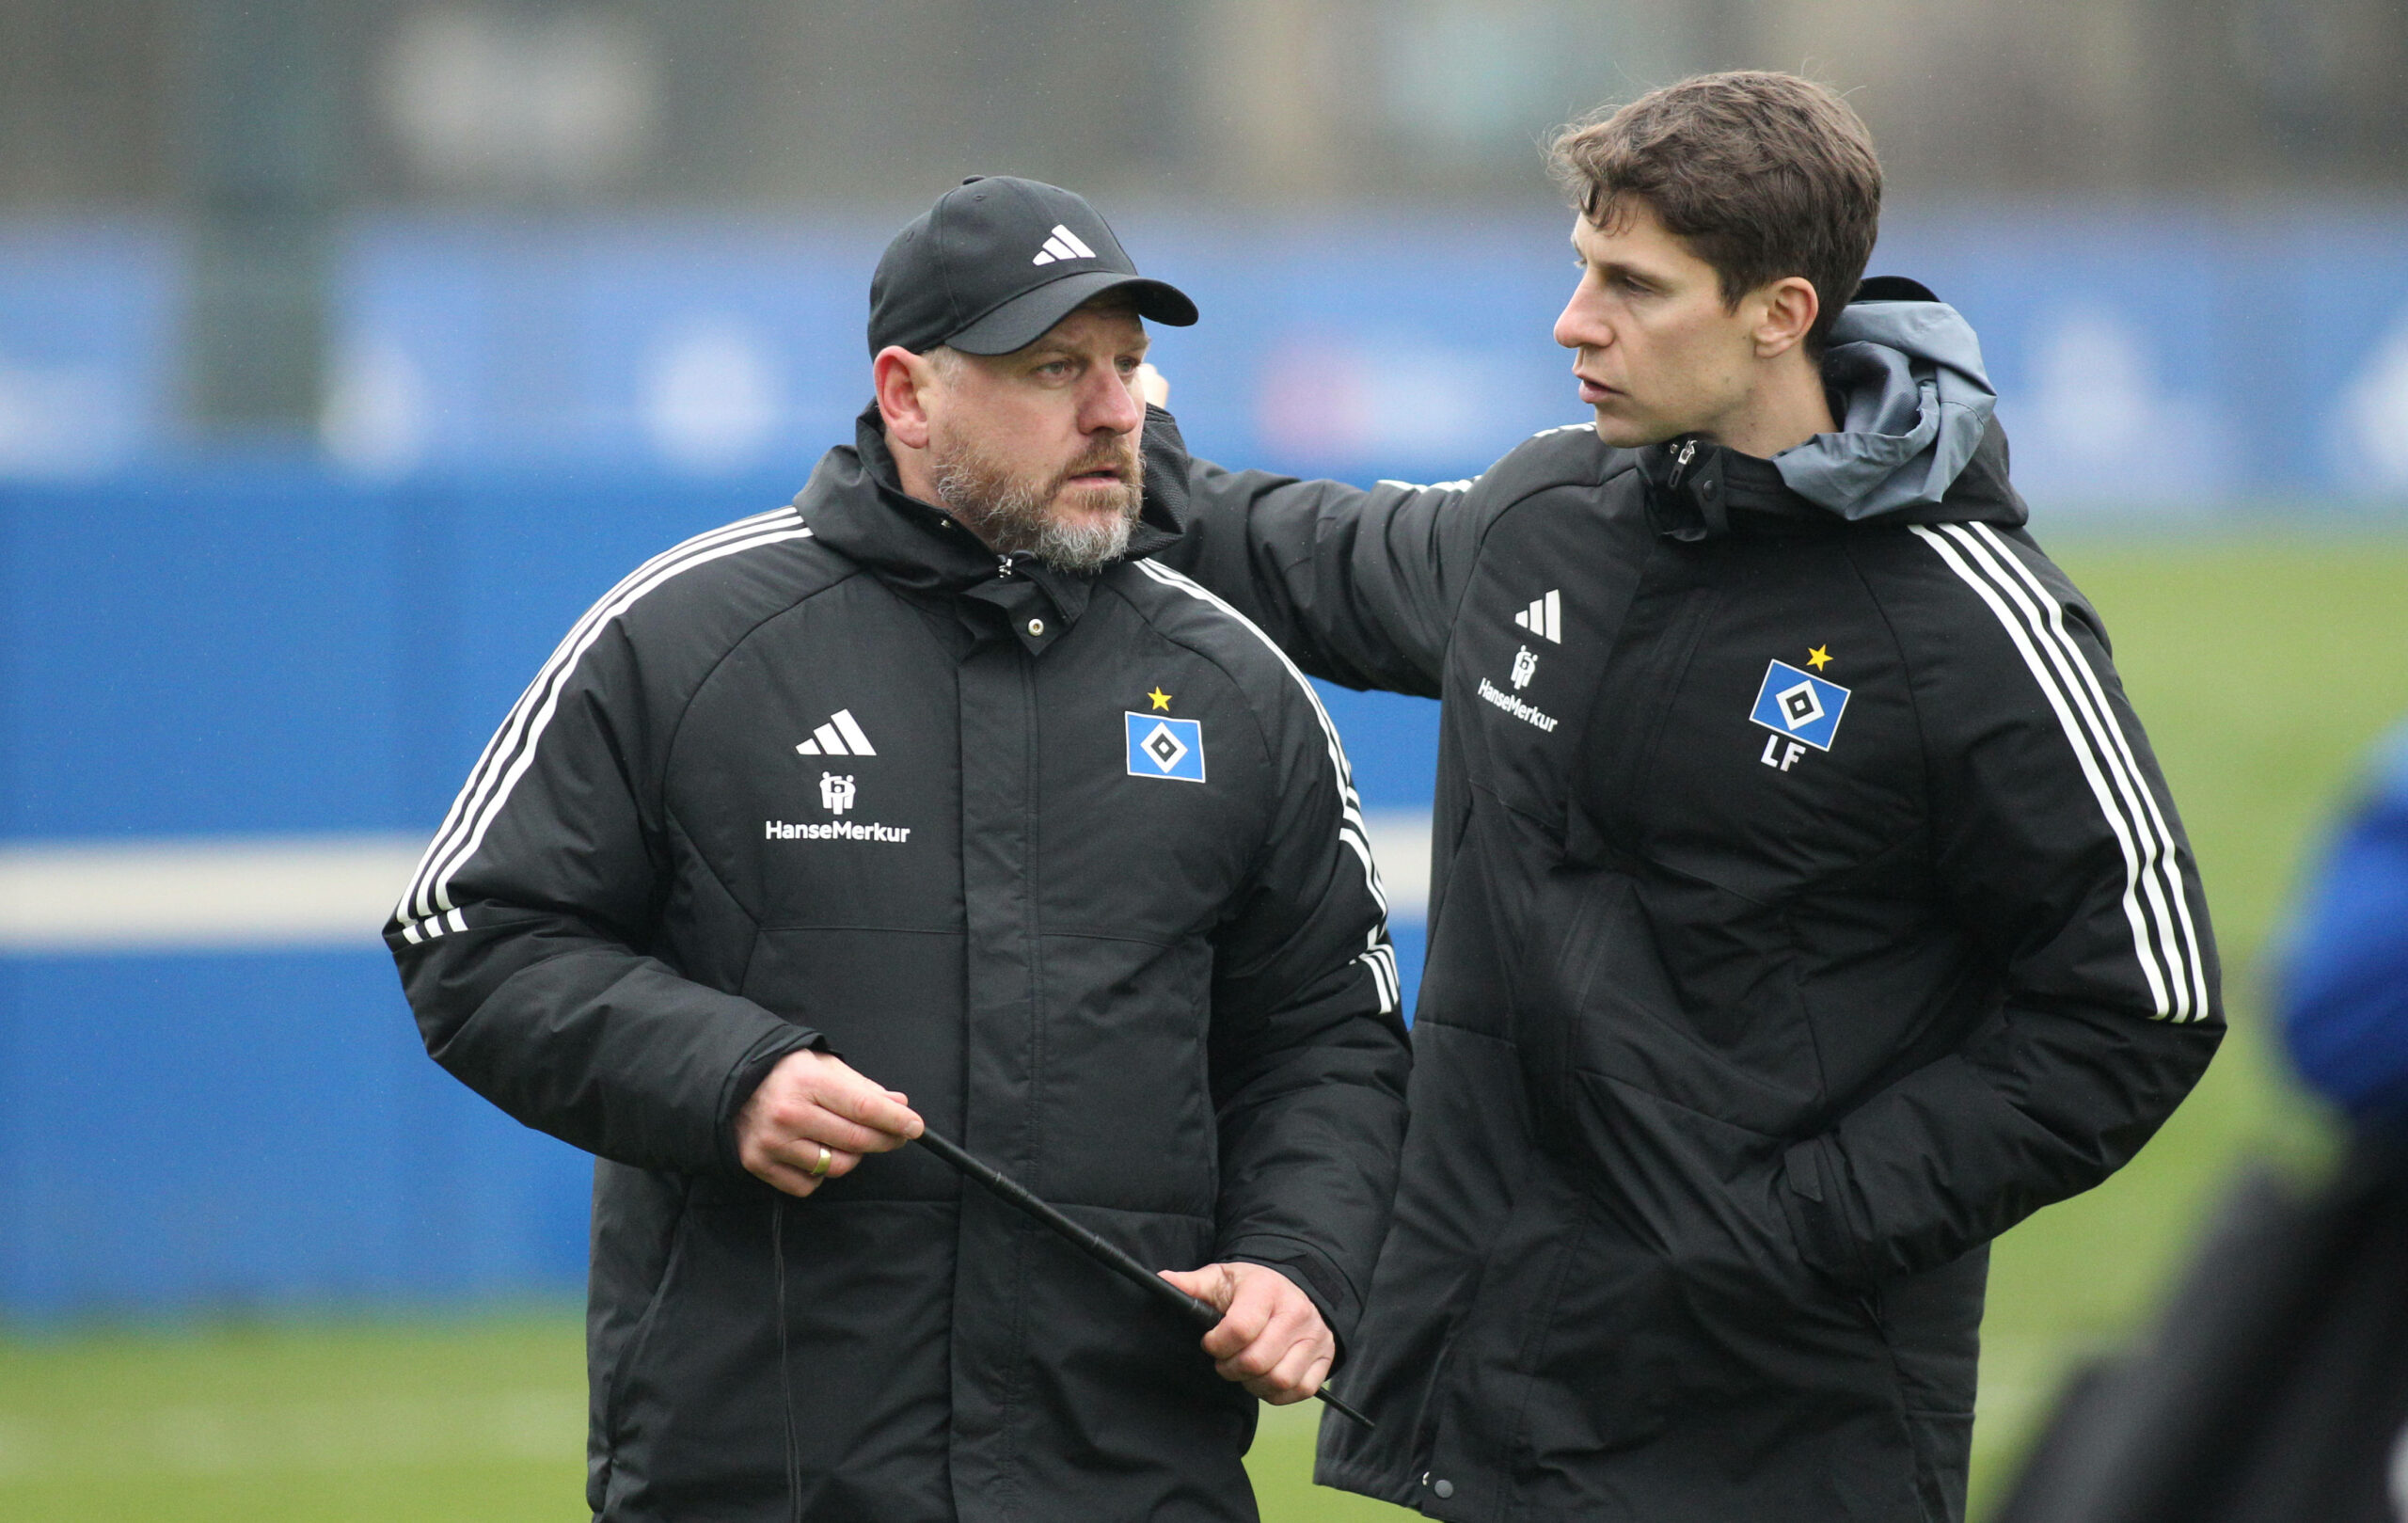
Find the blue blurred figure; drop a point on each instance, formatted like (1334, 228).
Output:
(2344, 991)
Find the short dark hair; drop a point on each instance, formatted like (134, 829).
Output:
(1763, 175)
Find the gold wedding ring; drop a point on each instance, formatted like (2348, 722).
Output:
(819, 1169)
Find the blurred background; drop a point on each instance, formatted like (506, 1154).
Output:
(347, 351)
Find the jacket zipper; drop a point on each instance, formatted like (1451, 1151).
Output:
(1681, 463)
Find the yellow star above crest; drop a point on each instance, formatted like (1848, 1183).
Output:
(1161, 699)
(1818, 657)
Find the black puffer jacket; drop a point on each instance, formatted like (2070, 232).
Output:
(1807, 909)
(1074, 862)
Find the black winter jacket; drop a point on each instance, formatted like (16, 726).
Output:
(1807, 909)
(1073, 862)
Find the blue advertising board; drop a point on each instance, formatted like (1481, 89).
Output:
(226, 679)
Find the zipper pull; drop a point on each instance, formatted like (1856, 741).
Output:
(1680, 461)
(1004, 567)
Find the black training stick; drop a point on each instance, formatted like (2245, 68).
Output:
(1197, 1311)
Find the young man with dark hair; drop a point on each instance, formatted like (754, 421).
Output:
(1807, 907)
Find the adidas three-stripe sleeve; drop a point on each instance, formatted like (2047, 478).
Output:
(2060, 850)
(520, 938)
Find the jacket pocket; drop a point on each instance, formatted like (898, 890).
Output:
(1674, 1326)
(850, 1371)
(698, 1419)
(1701, 1195)
(1670, 984)
(631, 1352)
(1565, 1358)
(1604, 1361)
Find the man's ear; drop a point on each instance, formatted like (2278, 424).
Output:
(1790, 307)
(903, 380)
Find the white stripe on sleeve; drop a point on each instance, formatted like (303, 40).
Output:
(2170, 962)
(512, 751)
(2170, 880)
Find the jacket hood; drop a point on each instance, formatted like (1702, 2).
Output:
(1918, 442)
(1906, 375)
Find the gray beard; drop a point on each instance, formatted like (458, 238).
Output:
(1014, 516)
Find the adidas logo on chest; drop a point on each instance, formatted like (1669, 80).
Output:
(842, 736)
(1544, 617)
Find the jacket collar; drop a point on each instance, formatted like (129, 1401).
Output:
(855, 504)
(1699, 490)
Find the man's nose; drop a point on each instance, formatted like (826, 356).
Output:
(1577, 328)
(1111, 404)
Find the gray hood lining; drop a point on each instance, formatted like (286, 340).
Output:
(1913, 400)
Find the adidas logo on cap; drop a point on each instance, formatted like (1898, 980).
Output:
(1545, 617)
(1062, 244)
(840, 736)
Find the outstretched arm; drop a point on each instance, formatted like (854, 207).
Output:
(1357, 585)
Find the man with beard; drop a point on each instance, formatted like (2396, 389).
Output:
(926, 797)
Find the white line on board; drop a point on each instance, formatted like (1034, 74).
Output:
(1401, 845)
(256, 894)
(202, 893)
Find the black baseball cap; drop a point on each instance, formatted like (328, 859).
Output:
(997, 262)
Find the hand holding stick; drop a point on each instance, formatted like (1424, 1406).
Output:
(1198, 1312)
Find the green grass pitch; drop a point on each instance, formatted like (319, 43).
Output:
(2263, 667)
